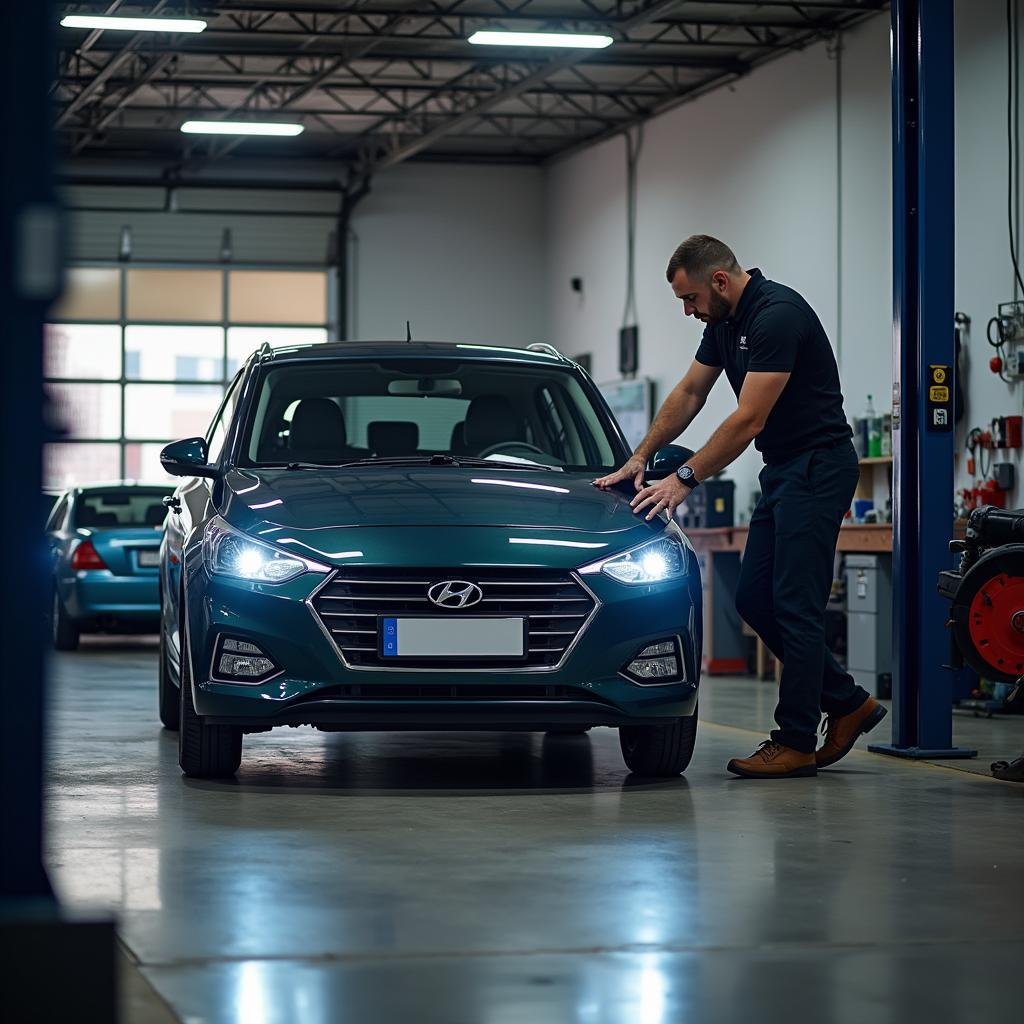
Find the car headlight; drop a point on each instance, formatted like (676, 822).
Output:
(228, 552)
(656, 561)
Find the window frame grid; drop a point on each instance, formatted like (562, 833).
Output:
(224, 324)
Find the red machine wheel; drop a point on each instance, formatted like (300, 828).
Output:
(995, 624)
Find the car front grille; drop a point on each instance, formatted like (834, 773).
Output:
(554, 602)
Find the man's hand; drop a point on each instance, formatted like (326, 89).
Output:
(633, 469)
(665, 494)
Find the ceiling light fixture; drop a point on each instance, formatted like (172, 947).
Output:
(114, 24)
(241, 128)
(566, 40)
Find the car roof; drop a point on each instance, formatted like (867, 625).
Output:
(405, 349)
(122, 485)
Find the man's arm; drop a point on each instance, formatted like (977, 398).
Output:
(758, 396)
(677, 412)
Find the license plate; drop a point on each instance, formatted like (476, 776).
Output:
(149, 559)
(453, 638)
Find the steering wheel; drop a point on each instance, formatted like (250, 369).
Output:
(495, 448)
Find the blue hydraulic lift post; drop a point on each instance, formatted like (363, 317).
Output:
(923, 364)
(54, 965)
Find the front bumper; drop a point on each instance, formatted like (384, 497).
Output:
(315, 687)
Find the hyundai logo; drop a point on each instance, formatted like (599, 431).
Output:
(455, 594)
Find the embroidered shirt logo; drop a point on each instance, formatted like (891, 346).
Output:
(743, 343)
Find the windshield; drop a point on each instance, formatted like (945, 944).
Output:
(501, 412)
(119, 508)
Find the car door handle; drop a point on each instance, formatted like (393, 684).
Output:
(172, 502)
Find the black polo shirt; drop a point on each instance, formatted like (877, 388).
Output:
(775, 330)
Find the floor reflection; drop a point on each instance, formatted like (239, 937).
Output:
(459, 763)
(497, 878)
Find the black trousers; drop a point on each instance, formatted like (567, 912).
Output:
(785, 580)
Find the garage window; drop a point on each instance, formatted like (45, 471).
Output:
(136, 357)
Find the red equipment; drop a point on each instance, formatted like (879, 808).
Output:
(987, 595)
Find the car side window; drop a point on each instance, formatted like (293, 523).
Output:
(219, 428)
(56, 520)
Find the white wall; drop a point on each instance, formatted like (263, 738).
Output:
(458, 250)
(984, 277)
(757, 166)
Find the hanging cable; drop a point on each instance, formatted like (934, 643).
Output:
(975, 442)
(1017, 132)
(1012, 132)
(633, 147)
(997, 342)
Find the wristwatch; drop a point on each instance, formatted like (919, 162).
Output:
(685, 473)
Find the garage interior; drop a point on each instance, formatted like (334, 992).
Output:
(423, 186)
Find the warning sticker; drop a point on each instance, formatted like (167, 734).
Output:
(939, 411)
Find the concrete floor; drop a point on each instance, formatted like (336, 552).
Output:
(485, 879)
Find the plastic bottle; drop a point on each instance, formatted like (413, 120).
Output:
(874, 429)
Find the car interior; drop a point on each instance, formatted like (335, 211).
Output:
(363, 414)
(113, 509)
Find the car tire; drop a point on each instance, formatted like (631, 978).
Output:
(64, 629)
(204, 751)
(659, 751)
(169, 699)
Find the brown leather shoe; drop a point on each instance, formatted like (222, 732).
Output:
(842, 732)
(772, 760)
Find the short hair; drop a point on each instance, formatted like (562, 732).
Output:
(700, 256)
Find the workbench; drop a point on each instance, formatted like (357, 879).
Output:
(718, 551)
(869, 537)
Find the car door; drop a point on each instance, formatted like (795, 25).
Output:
(189, 507)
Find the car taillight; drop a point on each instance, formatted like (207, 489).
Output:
(86, 557)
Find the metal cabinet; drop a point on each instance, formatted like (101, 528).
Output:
(869, 622)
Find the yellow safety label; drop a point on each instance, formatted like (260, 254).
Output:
(938, 394)
(719, 504)
(939, 375)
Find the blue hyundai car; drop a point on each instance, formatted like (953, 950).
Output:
(407, 536)
(104, 543)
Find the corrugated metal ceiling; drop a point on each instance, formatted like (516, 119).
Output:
(376, 82)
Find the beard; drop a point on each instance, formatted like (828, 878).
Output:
(719, 310)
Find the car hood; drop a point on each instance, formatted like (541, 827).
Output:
(393, 514)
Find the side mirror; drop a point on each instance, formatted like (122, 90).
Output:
(665, 461)
(187, 458)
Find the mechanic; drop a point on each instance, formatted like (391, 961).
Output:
(780, 364)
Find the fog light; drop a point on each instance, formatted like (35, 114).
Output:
(245, 668)
(654, 668)
(240, 660)
(656, 663)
